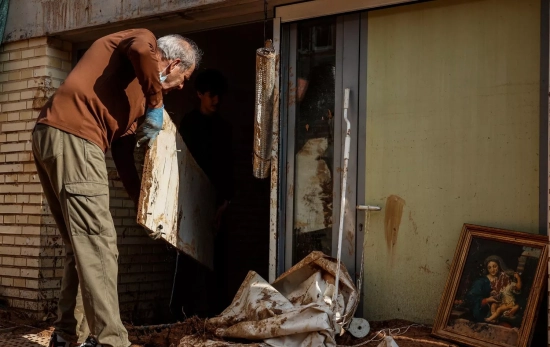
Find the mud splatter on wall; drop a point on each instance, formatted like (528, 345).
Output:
(392, 220)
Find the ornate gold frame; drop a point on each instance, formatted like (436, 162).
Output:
(469, 232)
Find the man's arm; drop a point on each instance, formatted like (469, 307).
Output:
(122, 150)
(141, 49)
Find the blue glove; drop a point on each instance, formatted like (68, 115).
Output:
(151, 127)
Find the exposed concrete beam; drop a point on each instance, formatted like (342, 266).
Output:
(197, 15)
(34, 18)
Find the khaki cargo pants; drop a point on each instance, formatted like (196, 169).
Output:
(74, 177)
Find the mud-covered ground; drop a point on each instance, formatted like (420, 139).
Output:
(170, 335)
(415, 336)
(405, 333)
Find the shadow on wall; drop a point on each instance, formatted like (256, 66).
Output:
(3, 301)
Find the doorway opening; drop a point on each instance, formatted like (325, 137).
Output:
(245, 234)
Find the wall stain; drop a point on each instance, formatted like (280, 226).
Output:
(413, 223)
(392, 220)
(425, 269)
(43, 93)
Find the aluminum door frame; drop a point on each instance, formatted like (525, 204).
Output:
(347, 69)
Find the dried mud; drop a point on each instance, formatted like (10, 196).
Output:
(417, 336)
(171, 335)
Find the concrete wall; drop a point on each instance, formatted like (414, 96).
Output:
(32, 18)
(453, 134)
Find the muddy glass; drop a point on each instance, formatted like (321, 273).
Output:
(314, 137)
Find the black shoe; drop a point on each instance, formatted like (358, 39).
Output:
(90, 342)
(57, 341)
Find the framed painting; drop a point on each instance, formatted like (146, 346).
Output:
(494, 288)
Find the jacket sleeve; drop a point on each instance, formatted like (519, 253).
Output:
(140, 46)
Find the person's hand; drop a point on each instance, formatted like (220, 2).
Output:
(151, 127)
(219, 214)
(516, 275)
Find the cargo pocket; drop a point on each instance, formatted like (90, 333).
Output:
(88, 209)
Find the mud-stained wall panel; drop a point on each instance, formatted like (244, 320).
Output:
(452, 133)
(177, 201)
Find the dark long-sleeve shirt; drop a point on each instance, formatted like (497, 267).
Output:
(208, 138)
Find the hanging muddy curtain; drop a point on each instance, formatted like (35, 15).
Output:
(263, 120)
(3, 17)
(263, 113)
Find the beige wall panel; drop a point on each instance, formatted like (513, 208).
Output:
(452, 130)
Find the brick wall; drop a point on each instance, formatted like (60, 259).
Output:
(31, 252)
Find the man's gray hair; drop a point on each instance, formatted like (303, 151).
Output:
(179, 47)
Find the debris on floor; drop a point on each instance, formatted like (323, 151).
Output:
(388, 341)
(23, 335)
(404, 334)
(170, 334)
(298, 309)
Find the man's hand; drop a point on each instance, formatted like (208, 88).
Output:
(151, 127)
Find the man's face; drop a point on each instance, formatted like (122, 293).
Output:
(176, 77)
(209, 102)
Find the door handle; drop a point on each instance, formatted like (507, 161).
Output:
(368, 208)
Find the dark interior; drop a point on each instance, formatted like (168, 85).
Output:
(232, 51)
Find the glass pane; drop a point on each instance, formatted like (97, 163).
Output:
(313, 176)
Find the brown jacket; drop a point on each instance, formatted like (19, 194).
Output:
(108, 89)
(104, 95)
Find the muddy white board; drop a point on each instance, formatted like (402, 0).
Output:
(177, 201)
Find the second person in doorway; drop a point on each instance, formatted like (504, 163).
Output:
(209, 139)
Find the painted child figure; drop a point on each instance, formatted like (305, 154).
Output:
(504, 290)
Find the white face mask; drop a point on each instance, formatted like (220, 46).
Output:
(163, 78)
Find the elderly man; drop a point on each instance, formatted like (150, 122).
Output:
(120, 78)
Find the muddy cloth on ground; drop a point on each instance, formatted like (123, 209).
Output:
(296, 310)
